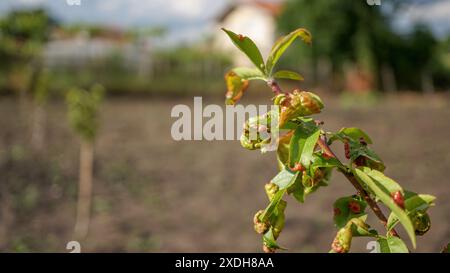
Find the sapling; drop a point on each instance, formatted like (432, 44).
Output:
(306, 160)
(83, 116)
(40, 96)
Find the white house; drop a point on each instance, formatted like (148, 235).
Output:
(253, 18)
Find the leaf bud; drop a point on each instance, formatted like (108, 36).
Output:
(422, 223)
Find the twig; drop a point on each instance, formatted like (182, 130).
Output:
(275, 87)
(372, 204)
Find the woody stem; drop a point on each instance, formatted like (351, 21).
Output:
(372, 204)
(275, 87)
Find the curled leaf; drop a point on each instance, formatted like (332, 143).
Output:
(236, 87)
(299, 104)
(343, 240)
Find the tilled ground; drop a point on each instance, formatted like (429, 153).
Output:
(154, 194)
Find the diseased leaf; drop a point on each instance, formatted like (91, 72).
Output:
(283, 150)
(285, 74)
(387, 200)
(283, 43)
(360, 228)
(246, 45)
(413, 202)
(358, 150)
(342, 212)
(355, 134)
(236, 87)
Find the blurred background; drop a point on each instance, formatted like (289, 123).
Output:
(384, 68)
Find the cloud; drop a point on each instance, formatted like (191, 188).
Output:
(435, 14)
(160, 11)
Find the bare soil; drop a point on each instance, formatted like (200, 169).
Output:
(154, 194)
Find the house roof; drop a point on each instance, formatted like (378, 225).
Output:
(273, 8)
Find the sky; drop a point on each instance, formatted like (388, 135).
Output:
(188, 20)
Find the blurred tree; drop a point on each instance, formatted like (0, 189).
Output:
(358, 40)
(22, 37)
(83, 116)
(40, 95)
(343, 31)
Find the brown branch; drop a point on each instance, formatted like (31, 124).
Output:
(372, 204)
(275, 87)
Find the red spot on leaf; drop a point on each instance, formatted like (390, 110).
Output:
(360, 161)
(347, 150)
(354, 207)
(399, 199)
(336, 211)
(297, 168)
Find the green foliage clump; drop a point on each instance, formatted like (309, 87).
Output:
(306, 161)
(83, 110)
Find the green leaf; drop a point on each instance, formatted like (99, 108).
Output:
(385, 197)
(418, 201)
(360, 228)
(390, 185)
(269, 240)
(284, 179)
(283, 43)
(413, 202)
(446, 249)
(246, 45)
(246, 73)
(392, 245)
(321, 162)
(283, 152)
(272, 206)
(285, 74)
(355, 134)
(298, 190)
(302, 145)
(308, 148)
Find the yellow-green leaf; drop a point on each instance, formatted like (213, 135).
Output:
(283, 43)
(392, 245)
(236, 87)
(246, 73)
(290, 75)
